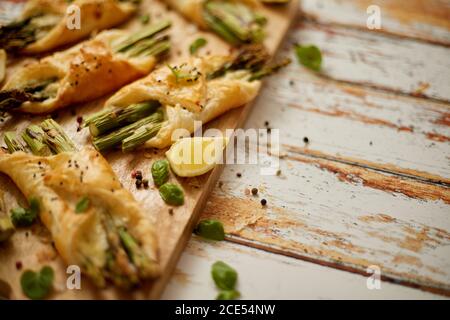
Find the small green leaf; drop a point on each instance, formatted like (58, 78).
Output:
(82, 205)
(224, 276)
(145, 19)
(160, 172)
(210, 229)
(171, 194)
(309, 56)
(197, 44)
(21, 217)
(181, 75)
(37, 285)
(228, 295)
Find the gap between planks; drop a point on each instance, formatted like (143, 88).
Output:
(288, 253)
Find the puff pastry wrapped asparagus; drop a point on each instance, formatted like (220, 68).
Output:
(46, 24)
(236, 21)
(108, 235)
(85, 72)
(174, 97)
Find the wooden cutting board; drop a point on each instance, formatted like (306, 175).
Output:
(31, 248)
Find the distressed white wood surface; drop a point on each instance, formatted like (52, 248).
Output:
(265, 275)
(371, 187)
(342, 216)
(426, 20)
(407, 135)
(391, 63)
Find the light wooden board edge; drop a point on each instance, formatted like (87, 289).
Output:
(122, 164)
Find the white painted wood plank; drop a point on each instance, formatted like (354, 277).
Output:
(427, 20)
(399, 65)
(342, 215)
(265, 275)
(402, 134)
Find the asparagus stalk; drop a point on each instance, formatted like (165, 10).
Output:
(89, 119)
(13, 143)
(143, 264)
(34, 138)
(119, 266)
(251, 57)
(140, 136)
(269, 69)
(233, 21)
(104, 122)
(35, 91)
(17, 35)
(56, 138)
(115, 138)
(145, 34)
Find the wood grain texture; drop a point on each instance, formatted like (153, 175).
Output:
(342, 216)
(174, 229)
(264, 275)
(357, 125)
(427, 20)
(399, 65)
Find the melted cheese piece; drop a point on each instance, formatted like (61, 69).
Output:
(84, 72)
(94, 15)
(59, 182)
(186, 102)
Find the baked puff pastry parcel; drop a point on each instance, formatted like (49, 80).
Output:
(236, 21)
(149, 111)
(85, 72)
(94, 222)
(47, 24)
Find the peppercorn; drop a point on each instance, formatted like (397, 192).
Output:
(238, 174)
(263, 202)
(138, 183)
(145, 183)
(254, 191)
(139, 174)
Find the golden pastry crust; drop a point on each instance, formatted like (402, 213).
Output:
(193, 9)
(59, 182)
(186, 102)
(84, 72)
(95, 15)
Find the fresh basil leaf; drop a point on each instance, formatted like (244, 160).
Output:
(172, 194)
(309, 56)
(210, 229)
(82, 205)
(197, 44)
(228, 295)
(37, 285)
(21, 217)
(160, 172)
(224, 276)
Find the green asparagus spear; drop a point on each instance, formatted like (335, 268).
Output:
(56, 138)
(145, 34)
(106, 121)
(115, 138)
(13, 143)
(135, 253)
(18, 34)
(140, 136)
(34, 91)
(34, 138)
(236, 22)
